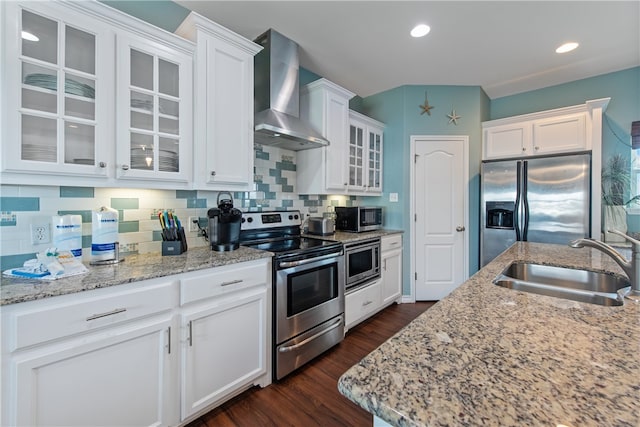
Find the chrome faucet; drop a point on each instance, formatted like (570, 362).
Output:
(631, 268)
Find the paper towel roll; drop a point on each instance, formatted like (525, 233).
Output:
(67, 233)
(104, 234)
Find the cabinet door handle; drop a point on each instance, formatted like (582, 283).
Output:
(213, 173)
(125, 167)
(536, 148)
(108, 313)
(524, 148)
(384, 266)
(190, 334)
(460, 228)
(102, 165)
(364, 304)
(232, 282)
(169, 340)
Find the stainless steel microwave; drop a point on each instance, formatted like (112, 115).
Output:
(358, 218)
(362, 262)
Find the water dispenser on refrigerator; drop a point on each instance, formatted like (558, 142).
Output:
(500, 215)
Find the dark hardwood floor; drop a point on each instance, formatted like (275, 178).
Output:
(309, 396)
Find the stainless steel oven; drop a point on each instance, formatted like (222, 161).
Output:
(308, 287)
(362, 262)
(309, 315)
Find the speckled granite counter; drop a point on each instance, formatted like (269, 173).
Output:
(134, 268)
(347, 237)
(487, 355)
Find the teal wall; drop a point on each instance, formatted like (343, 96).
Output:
(399, 110)
(161, 13)
(623, 87)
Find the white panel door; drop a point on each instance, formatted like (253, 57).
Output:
(440, 180)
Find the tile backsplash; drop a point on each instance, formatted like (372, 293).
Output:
(139, 229)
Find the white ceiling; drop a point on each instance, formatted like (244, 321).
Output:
(506, 47)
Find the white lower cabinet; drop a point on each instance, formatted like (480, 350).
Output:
(391, 256)
(225, 317)
(118, 377)
(104, 357)
(132, 354)
(362, 303)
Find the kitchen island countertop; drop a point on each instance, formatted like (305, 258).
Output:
(132, 269)
(486, 355)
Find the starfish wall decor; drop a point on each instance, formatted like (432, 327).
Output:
(426, 108)
(453, 117)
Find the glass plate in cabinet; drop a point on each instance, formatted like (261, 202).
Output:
(57, 129)
(153, 123)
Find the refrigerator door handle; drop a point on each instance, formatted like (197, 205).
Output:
(516, 210)
(525, 200)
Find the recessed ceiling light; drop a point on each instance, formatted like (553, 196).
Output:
(420, 30)
(31, 37)
(567, 47)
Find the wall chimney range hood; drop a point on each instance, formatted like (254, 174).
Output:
(277, 97)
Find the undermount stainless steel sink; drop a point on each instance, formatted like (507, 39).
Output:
(562, 282)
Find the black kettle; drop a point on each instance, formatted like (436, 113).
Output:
(224, 224)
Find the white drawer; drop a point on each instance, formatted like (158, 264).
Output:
(40, 321)
(362, 302)
(388, 243)
(221, 280)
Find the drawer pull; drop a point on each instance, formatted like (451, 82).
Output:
(232, 282)
(364, 304)
(108, 313)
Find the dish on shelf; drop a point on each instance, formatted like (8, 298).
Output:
(145, 104)
(167, 160)
(84, 162)
(48, 81)
(39, 153)
(142, 104)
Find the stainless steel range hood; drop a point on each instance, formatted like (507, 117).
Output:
(277, 98)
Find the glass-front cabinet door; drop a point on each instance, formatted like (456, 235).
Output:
(154, 111)
(356, 156)
(56, 91)
(374, 166)
(365, 154)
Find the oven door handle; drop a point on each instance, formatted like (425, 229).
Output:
(289, 264)
(311, 338)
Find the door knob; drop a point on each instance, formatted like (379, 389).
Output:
(460, 228)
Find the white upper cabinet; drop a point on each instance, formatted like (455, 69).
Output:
(223, 105)
(325, 106)
(124, 117)
(507, 141)
(154, 111)
(562, 130)
(58, 91)
(365, 155)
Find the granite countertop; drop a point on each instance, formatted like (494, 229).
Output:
(133, 268)
(349, 237)
(486, 355)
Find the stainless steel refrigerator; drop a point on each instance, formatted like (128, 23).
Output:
(542, 199)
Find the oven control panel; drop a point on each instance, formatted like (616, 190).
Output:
(257, 220)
